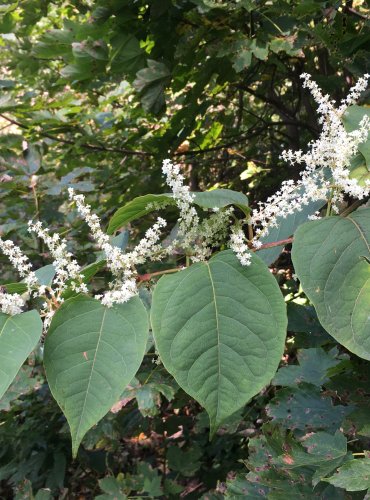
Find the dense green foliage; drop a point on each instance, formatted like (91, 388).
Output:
(94, 95)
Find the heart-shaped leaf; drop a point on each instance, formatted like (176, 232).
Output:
(91, 353)
(220, 328)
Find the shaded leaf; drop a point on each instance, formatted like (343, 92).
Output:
(306, 409)
(151, 82)
(312, 369)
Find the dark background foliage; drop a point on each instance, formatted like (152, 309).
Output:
(95, 94)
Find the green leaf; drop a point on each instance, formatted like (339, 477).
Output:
(15, 288)
(45, 274)
(220, 198)
(359, 170)
(91, 353)
(352, 476)
(321, 448)
(24, 383)
(329, 257)
(126, 55)
(184, 461)
(306, 409)
(312, 369)
(220, 328)
(351, 120)
(240, 487)
(18, 337)
(138, 207)
(242, 60)
(151, 82)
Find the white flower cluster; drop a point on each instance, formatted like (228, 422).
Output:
(19, 261)
(212, 232)
(239, 245)
(332, 153)
(188, 220)
(198, 236)
(66, 268)
(11, 303)
(122, 265)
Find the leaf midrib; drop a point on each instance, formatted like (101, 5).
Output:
(218, 341)
(91, 373)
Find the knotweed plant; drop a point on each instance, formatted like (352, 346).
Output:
(218, 319)
(331, 152)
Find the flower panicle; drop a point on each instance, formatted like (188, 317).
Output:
(66, 267)
(330, 153)
(20, 262)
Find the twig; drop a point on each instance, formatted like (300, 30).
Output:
(273, 244)
(73, 143)
(352, 207)
(149, 276)
(349, 10)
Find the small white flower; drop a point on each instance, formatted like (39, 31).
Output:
(66, 267)
(11, 303)
(238, 244)
(20, 262)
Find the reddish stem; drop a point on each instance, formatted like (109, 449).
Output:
(275, 244)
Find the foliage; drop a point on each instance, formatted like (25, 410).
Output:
(93, 96)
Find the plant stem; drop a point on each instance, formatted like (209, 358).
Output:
(250, 232)
(149, 276)
(273, 244)
(351, 208)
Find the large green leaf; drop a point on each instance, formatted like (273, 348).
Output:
(18, 337)
(330, 259)
(220, 329)
(137, 208)
(91, 353)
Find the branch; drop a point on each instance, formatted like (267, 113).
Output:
(73, 143)
(273, 244)
(149, 276)
(350, 10)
